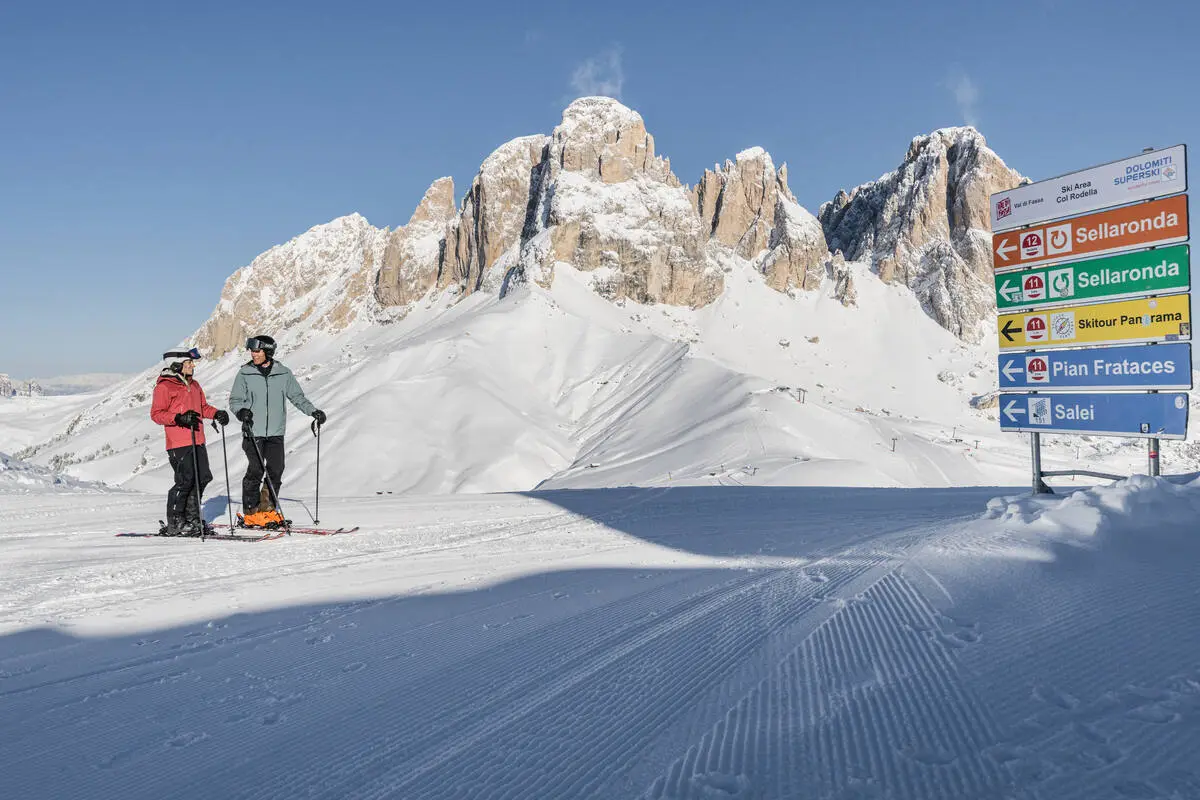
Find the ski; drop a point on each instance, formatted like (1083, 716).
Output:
(218, 537)
(324, 531)
(293, 529)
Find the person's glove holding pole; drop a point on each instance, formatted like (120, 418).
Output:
(188, 419)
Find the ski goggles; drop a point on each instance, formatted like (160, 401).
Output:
(259, 344)
(185, 355)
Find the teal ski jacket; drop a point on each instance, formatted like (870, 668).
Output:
(264, 395)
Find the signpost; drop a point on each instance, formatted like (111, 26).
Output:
(1156, 173)
(1162, 319)
(1144, 366)
(1161, 271)
(1157, 416)
(1155, 223)
(1081, 262)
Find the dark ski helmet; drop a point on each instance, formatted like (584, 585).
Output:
(182, 355)
(264, 343)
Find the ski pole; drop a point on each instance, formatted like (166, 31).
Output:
(196, 474)
(317, 432)
(228, 492)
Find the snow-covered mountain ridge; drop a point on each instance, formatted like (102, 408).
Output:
(583, 318)
(594, 194)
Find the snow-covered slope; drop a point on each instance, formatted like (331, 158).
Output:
(560, 387)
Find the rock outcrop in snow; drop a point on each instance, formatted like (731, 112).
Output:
(9, 387)
(414, 253)
(493, 213)
(605, 202)
(926, 225)
(21, 477)
(747, 206)
(595, 194)
(323, 279)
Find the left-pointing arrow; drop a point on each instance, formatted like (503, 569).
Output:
(1009, 370)
(1011, 410)
(1009, 293)
(1008, 330)
(1004, 248)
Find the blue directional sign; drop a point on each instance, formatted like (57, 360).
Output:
(1162, 416)
(1144, 366)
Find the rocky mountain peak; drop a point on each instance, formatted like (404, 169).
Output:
(737, 200)
(322, 279)
(437, 206)
(413, 253)
(926, 225)
(493, 212)
(601, 138)
(594, 193)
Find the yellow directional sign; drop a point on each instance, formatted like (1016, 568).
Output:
(1160, 319)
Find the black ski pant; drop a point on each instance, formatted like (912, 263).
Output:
(257, 450)
(185, 477)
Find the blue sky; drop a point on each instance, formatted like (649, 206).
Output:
(147, 150)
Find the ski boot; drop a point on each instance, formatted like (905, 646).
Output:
(267, 518)
(192, 524)
(172, 527)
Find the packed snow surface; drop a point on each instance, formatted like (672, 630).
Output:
(664, 642)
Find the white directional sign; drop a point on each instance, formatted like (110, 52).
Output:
(1141, 177)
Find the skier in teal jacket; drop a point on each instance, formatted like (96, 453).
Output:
(257, 400)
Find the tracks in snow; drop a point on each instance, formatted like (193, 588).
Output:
(872, 701)
(560, 713)
(839, 679)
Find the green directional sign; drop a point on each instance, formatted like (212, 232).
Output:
(1146, 272)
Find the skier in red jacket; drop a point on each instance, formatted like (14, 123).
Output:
(179, 406)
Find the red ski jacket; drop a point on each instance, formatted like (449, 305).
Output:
(172, 395)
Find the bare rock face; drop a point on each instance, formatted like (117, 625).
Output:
(843, 280)
(738, 201)
(413, 254)
(600, 138)
(321, 280)
(493, 213)
(926, 224)
(797, 253)
(604, 201)
(748, 207)
(983, 402)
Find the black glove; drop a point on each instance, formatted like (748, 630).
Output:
(188, 419)
(319, 416)
(244, 415)
(222, 417)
